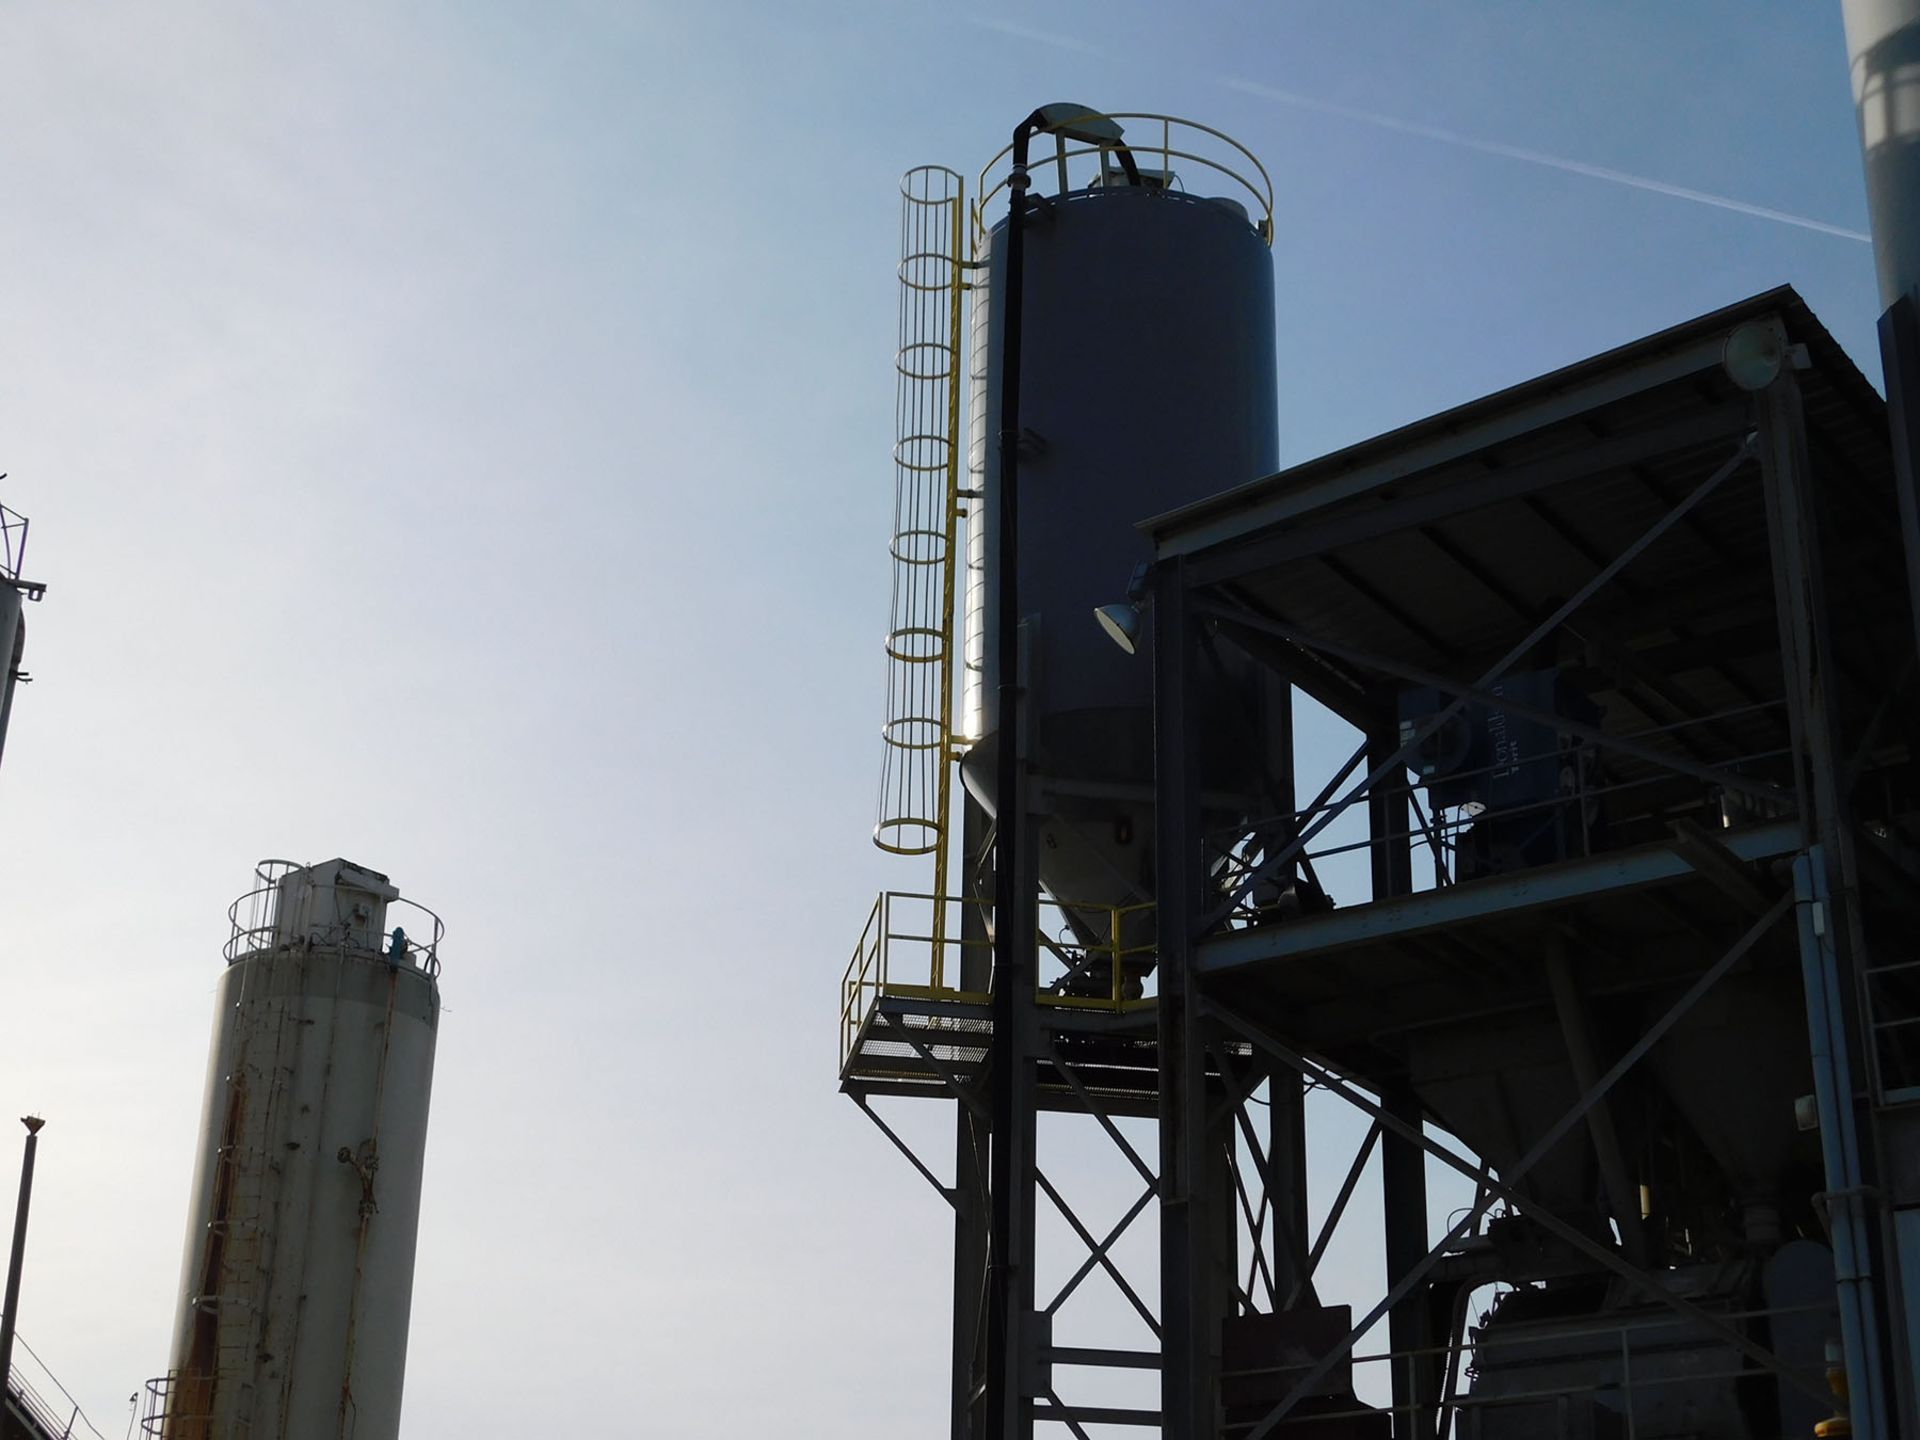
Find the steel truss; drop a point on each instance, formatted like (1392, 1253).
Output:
(1787, 727)
(1197, 596)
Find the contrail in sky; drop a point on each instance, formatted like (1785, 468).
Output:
(1536, 157)
(1039, 37)
(1446, 137)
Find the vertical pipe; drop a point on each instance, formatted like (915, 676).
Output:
(1188, 1327)
(973, 1141)
(1403, 1164)
(9, 1320)
(1833, 1094)
(1013, 932)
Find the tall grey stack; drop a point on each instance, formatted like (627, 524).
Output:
(298, 1274)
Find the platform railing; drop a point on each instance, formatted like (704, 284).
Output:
(60, 1421)
(1162, 138)
(13, 543)
(1340, 833)
(255, 923)
(916, 946)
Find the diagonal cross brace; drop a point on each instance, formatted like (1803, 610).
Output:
(946, 1191)
(960, 1088)
(1503, 1188)
(1099, 1250)
(1106, 1121)
(1282, 1231)
(1098, 1253)
(1479, 693)
(1335, 1213)
(1499, 667)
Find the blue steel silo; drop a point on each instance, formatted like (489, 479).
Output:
(1147, 381)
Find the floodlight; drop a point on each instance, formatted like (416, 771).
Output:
(1078, 122)
(1122, 624)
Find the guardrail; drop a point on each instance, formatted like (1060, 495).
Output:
(1567, 820)
(260, 928)
(921, 946)
(13, 543)
(1184, 140)
(39, 1411)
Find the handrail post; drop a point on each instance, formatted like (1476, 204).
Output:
(9, 1318)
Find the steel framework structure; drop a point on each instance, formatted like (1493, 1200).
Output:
(1724, 569)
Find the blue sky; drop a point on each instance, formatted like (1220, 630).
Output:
(456, 437)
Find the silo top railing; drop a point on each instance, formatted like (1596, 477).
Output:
(253, 922)
(13, 543)
(1184, 140)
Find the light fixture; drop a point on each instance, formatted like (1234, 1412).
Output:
(1122, 621)
(1122, 624)
(1754, 354)
(1078, 122)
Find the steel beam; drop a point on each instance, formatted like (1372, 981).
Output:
(1187, 1404)
(1220, 553)
(1339, 1207)
(1403, 1192)
(972, 1139)
(1603, 1255)
(946, 1192)
(1577, 1032)
(1592, 586)
(1482, 694)
(1509, 894)
(1840, 1149)
(1830, 874)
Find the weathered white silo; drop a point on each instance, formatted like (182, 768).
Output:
(298, 1273)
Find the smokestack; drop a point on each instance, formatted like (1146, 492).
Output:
(1883, 53)
(298, 1273)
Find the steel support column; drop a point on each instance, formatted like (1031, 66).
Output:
(1403, 1165)
(1187, 1341)
(971, 1145)
(1286, 1139)
(1810, 677)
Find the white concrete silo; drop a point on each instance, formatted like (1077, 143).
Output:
(297, 1279)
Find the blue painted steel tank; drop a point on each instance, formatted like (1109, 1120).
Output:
(1147, 382)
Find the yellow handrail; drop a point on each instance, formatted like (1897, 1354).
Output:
(911, 945)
